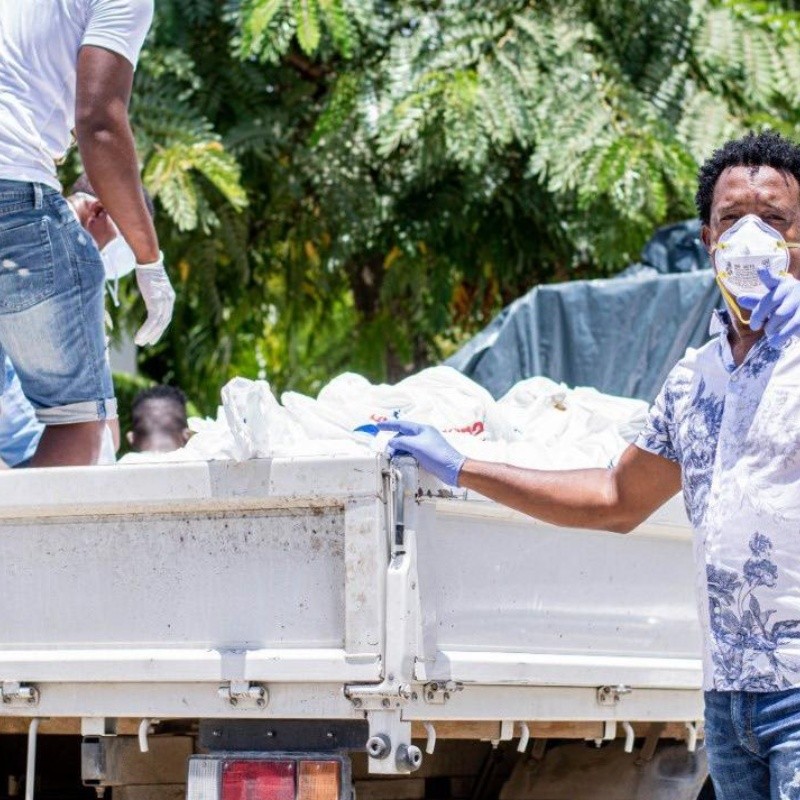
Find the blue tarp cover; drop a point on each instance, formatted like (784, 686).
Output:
(620, 335)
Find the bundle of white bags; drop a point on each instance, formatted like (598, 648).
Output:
(538, 424)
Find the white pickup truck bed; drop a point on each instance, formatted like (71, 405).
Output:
(282, 589)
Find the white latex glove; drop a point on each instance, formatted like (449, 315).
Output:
(158, 296)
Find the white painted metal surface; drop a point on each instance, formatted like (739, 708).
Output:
(200, 572)
(195, 486)
(512, 600)
(138, 591)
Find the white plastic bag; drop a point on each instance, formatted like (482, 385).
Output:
(258, 423)
(439, 396)
(538, 423)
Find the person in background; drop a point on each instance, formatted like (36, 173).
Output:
(158, 420)
(20, 431)
(118, 258)
(68, 65)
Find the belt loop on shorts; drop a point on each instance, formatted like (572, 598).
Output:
(38, 196)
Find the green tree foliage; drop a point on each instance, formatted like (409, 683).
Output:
(362, 183)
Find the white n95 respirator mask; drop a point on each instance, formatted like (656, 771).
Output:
(119, 260)
(739, 253)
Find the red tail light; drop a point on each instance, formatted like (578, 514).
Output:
(258, 780)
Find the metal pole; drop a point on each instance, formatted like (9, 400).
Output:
(30, 774)
(144, 729)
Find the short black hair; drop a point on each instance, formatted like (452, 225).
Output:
(142, 424)
(766, 149)
(84, 186)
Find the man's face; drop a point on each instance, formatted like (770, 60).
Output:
(93, 216)
(772, 195)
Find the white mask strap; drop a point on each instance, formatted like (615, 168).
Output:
(113, 291)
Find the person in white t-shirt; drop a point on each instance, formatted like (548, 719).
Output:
(64, 65)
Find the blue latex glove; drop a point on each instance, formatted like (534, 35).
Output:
(428, 446)
(778, 311)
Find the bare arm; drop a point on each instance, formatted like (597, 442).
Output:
(105, 140)
(616, 499)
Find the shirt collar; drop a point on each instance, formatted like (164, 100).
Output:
(720, 322)
(720, 325)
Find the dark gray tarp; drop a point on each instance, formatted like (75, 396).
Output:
(620, 335)
(676, 248)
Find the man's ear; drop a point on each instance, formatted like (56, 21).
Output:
(96, 208)
(187, 434)
(130, 438)
(705, 238)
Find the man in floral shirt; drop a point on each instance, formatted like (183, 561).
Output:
(725, 429)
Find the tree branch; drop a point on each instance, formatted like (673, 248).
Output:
(308, 69)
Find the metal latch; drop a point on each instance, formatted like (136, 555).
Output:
(244, 693)
(379, 698)
(14, 693)
(439, 692)
(611, 695)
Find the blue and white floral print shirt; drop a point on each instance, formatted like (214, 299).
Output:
(735, 432)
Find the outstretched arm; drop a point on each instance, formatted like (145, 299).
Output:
(616, 499)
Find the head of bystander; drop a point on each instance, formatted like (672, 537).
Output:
(158, 420)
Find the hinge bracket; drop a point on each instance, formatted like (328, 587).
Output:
(14, 693)
(611, 695)
(383, 697)
(439, 692)
(243, 694)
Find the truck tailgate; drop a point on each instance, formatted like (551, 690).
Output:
(266, 570)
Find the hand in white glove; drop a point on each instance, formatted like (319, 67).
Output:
(158, 296)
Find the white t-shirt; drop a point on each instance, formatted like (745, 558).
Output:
(39, 44)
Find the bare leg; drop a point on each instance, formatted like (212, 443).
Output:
(113, 426)
(74, 445)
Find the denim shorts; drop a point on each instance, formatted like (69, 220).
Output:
(51, 307)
